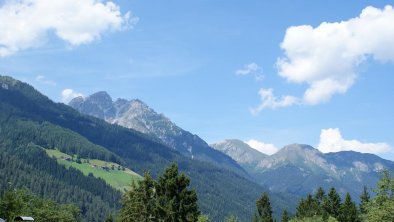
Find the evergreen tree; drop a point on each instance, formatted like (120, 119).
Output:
(285, 216)
(381, 207)
(348, 210)
(175, 201)
(140, 203)
(168, 199)
(307, 207)
(332, 203)
(264, 208)
(364, 200)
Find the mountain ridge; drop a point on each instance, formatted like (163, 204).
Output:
(29, 120)
(137, 115)
(299, 169)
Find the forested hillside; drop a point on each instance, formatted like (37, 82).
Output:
(28, 118)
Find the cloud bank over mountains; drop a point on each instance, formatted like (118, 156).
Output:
(326, 57)
(26, 24)
(331, 140)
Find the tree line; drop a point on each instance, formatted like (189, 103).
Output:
(325, 206)
(168, 199)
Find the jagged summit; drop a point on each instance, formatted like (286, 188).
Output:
(137, 115)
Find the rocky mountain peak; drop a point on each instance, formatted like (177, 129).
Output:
(137, 115)
(239, 151)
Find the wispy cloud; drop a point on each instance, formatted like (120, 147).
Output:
(326, 57)
(251, 69)
(269, 100)
(69, 94)
(42, 79)
(331, 140)
(25, 24)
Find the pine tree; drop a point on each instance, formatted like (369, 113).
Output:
(285, 216)
(381, 207)
(264, 208)
(364, 200)
(140, 203)
(175, 201)
(307, 207)
(332, 203)
(348, 210)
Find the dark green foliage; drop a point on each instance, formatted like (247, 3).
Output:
(285, 216)
(22, 202)
(29, 119)
(364, 200)
(30, 167)
(140, 203)
(264, 209)
(167, 199)
(348, 210)
(381, 207)
(332, 203)
(307, 207)
(175, 201)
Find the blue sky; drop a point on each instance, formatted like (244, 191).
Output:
(332, 90)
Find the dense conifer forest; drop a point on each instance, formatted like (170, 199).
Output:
(30, 121)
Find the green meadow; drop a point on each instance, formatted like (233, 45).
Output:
(114, 174)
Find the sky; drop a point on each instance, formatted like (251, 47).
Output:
(270, 73)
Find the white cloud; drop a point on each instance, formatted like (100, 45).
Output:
(25, 24)
(269, 100)
(326, 57)
(44, 80)
(331, 141)
(69, 94)
(265, 148)
(251, 69)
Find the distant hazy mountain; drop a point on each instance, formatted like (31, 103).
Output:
(241, 152)
(300, 169)
(135, 114)
(30, 122)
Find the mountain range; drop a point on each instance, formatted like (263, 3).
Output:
(31, 123)
(300, 169)
(135, 114)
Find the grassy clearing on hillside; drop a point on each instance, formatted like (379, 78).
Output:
(115, 175)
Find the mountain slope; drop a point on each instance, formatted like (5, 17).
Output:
(135, 114)
(300, 169)
(220, 191)
(241, 152)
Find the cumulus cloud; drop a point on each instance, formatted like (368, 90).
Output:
(69, 94)
(25, 24)
(42, 79)
(331, 141)
(326, 57)
(251, 69)
(269, 100)
(265, 148)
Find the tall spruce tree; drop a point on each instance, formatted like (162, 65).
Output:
(264, 208)
(285, 216)
(140, 203)
(176, 203)
(307, 207)
(348, 210)
(167, 199)
(332, 203)
(364, 200)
